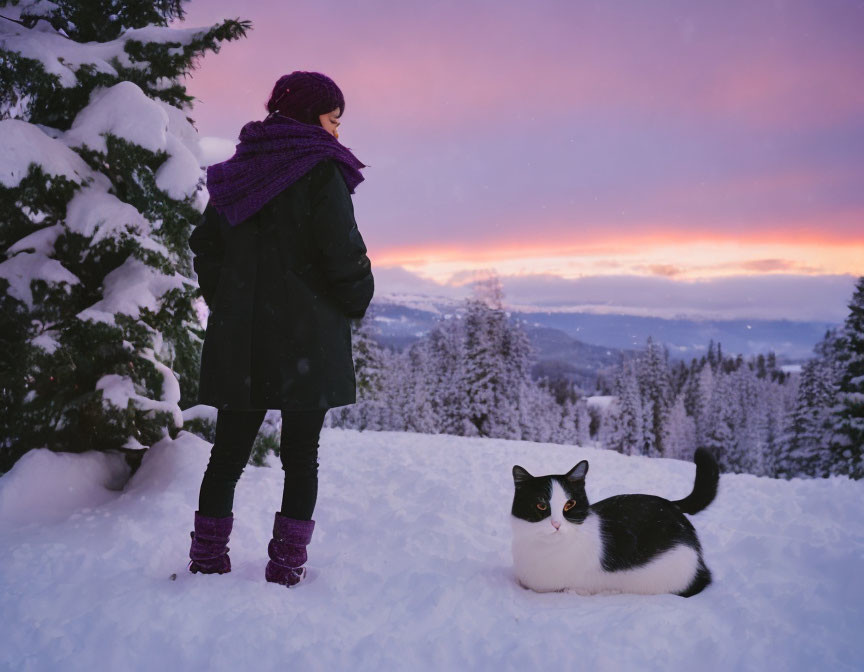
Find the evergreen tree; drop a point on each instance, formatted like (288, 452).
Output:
(568, 430)
(721, 435)
(680, 432)
(805, 450)
(625, 433)
(847, 421)
(703, 394)
(488, 386)
(540, 416)
(99, 181)
(371, 410)
(655, 386)
(780, 403)
(444, 347)
(417, 396)
(482, 377)
(583, 425)
(750, 423)
(521, 392)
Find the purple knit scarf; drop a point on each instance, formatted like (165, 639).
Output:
(273, 154)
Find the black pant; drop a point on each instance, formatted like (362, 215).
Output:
(235, 436)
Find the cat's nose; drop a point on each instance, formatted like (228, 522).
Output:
(556, 524)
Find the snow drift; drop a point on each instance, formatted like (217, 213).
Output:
(412, 564)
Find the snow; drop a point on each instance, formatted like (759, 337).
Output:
(119, 390)
(41, 240)
(411, 567)
(170, 397)
(47, 341)
(63, 57)
(600, 401)
(93, 212)
(26, 267)
(96, 214)
(44, 487)
(130, 287)
(123, 110)
(22, 144)
(178, 176)
(200, 412)
(181, 128)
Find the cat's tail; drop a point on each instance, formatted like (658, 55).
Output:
(705, 487)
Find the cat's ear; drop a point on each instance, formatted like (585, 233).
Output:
(578, 472)
(520, 475)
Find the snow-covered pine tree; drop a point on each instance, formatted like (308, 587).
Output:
(370, 371)
(583, 425)
(779, 405)
(539, 415)
(680, 431)
(655, 389)
(541, 423)
(568, 428)
(99, 181)
(488, 400)
(701, 400)
(805, 450)
(419, 412)
(721, 426)
(648, 446)
(799, 449)
(847, 419)
(625, 430)
(444, 346)
(751, 398)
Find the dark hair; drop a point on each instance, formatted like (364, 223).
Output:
(305, 96)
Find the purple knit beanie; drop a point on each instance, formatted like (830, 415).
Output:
(305, 96)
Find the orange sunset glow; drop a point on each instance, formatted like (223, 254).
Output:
(685, 260)
(580, 139)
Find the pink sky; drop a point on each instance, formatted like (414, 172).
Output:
(692, 141)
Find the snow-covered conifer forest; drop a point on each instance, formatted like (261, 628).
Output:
(470, 376)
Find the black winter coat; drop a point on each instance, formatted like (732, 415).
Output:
(282, 287)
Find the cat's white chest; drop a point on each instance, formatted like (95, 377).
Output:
(546, 560)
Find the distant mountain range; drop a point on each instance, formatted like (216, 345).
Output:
(582, 345)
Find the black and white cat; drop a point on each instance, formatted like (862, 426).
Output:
(626, 543)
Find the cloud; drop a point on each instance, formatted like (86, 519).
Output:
(768, 265)
(667, 270)
(397, 280)
(821, 298)
(780, 296)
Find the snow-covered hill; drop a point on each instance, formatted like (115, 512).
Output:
(412, 568)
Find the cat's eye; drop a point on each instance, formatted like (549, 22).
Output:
(541, 506)
(569, 504)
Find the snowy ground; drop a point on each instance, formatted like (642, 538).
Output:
(413, 571)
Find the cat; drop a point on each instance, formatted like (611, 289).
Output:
(623, 544)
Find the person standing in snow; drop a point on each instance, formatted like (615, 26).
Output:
(283, 269)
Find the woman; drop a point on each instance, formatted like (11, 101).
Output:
(283, 268)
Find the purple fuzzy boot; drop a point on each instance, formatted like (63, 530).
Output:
(209, 551)
(287, 550)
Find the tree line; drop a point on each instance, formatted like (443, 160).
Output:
(471, 376)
